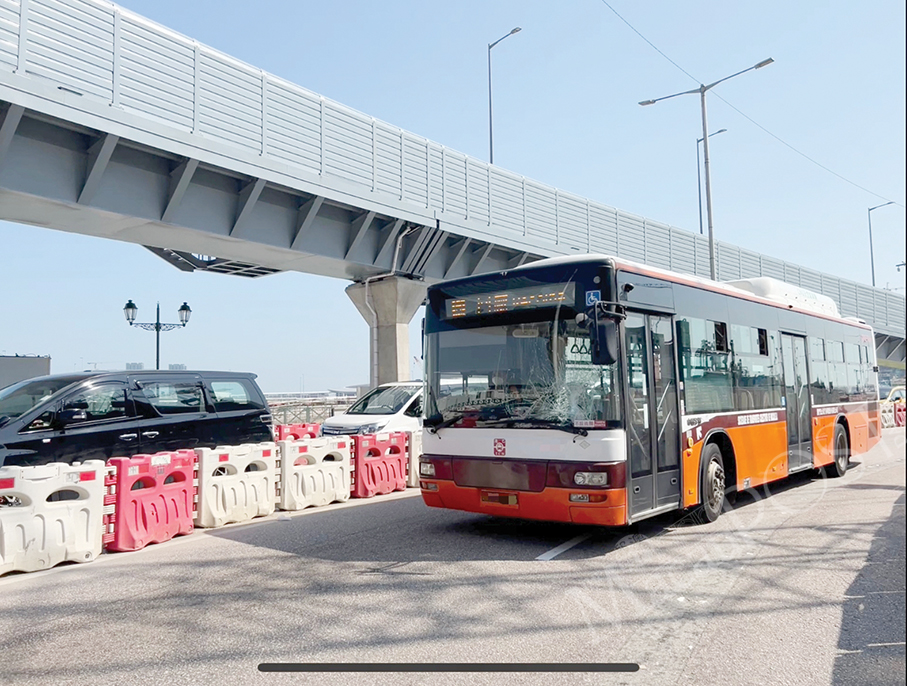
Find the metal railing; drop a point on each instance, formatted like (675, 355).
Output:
(306, 411)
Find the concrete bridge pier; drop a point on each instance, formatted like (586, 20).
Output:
(388, 304)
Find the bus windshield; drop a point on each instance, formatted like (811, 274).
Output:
(536, 374)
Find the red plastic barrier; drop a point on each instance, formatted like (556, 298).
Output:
(152, 497)
(900, 414)
(295, 432)
(379, 464)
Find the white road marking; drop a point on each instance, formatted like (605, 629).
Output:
(853, 597)
(563, 547)
(884, 645)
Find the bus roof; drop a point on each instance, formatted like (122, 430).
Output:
(760, 289)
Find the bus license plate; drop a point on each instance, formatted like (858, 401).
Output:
(499, 498)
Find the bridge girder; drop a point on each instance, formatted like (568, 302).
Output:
(180, 206)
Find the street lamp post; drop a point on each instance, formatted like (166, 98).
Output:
(872, 261)
(490, 133)
(699, 175)
(130, 310)
(705, 148)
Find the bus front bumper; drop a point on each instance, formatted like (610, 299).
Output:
(551, 504)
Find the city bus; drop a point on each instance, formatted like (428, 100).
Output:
(594, 390)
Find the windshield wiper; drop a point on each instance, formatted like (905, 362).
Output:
(433, 427)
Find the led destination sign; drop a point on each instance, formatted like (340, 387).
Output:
(513, 300)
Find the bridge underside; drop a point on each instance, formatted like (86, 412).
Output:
(196, 215)
(59, 175)
(891, 350)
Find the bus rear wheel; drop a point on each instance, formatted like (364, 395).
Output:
(841, 452)
(713, 482)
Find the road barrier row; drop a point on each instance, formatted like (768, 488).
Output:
(54, 514)
(59, 512)
(314, 472)
(379, 464)
(414, 450)
(151, 499)
(295, 432)
(236, 483)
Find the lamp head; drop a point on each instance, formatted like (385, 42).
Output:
(647, 102)
(516, 30)
(184, 313)
(130, 310)
(764, 63)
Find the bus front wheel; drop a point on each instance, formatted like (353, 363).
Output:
(713, 482)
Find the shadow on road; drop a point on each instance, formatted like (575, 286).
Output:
(405, 530)
(274, 590)
(871, 643)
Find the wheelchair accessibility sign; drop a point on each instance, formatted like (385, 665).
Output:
(593, 297)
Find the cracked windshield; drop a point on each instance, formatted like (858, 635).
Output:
(530, 375)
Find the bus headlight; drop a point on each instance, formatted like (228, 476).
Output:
(590, 478)
(426, 469)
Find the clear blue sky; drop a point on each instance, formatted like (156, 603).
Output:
(565, 92)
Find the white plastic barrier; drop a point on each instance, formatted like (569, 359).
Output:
(314, 471)
(886, 411)
(236, 483)
(50, 514)
(414, 448)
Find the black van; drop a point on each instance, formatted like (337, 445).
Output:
(99, 415)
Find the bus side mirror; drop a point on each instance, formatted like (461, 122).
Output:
(604, 342)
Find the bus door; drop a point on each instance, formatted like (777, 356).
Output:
(797, 402)
(652, 422)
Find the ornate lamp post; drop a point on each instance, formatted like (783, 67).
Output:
(130, 310)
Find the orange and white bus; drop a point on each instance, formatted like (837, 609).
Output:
(594, 390)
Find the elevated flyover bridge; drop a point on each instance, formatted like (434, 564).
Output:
(112, 125)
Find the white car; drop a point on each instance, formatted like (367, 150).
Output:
(388, 407)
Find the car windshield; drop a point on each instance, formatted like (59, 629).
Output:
(384, 400)
(21, 397)
(528, 375)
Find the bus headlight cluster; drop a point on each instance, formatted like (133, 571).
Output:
(590, 478)
(426, 469)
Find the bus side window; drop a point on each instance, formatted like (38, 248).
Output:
(819, 370)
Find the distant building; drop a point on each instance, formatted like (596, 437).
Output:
(15, 368)
(134, 366)
(177, 366)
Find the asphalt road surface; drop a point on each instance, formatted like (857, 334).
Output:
(805, 586)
